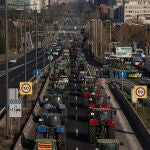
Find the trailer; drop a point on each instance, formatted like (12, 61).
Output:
(109, 144)
(45, 144)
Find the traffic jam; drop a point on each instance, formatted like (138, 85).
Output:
(76, 111)
(74, 88)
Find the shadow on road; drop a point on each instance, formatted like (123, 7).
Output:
(80, 118)
(80, 137)
(127, 132)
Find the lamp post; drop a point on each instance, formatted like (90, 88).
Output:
(101, 49)
(110, 30)
(36, 40)
(25, 56)
(6, 59)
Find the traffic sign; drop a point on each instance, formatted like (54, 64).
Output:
(25, 88)
(13, 93)
(15, 108)
(122, 59)
(140, 91)
(124, 52)
(37, 73)
(122, 74)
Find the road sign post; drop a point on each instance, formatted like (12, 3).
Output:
(122, 75)
(140, 92)
(14, 108)
(25, 88)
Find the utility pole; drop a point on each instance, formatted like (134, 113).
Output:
(96, 40)
(101, 38)
(16, 41)
(6, 59)
(21, 32)
(110, 30)
(44, 46)
(36, 41)
(25, 59)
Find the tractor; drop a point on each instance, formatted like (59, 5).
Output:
(101, 123)
(55, 128)
(107, 144)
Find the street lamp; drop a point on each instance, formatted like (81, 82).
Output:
(7, 53)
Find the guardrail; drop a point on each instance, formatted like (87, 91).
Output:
(128, 90)
(2, 112)
(136, 123)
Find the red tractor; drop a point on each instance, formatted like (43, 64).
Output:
(101, 124)
(95, 97)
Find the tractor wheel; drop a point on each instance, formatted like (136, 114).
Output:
(85, 102)
(111, 132)
(61, 138)
(92, 133)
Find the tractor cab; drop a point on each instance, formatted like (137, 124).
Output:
(101, 114)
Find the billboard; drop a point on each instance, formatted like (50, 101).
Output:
(125, 52)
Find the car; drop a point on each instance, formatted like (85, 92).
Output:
(63, 79)
(134, 74)
(137, 60)
(54, 53)
(141, 52)
(13, 60)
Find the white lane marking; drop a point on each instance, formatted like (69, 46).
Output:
(76, 107)
(77, 132)
(76, 117)
(76, 97)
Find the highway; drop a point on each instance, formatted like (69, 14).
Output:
(77, 125)
(77, 137)
(17, 72)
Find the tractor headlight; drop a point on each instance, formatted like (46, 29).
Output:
(92, 114)
(90, 99)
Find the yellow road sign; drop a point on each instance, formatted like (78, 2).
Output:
(140, 91)
(25, 88)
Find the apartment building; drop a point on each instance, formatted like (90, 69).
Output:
(134, 8)
(17, 4)
(30, 4)
(52, 2)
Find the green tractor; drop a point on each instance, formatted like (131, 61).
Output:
(107, 144)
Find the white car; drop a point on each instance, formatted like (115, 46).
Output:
(63, 79)
(54, 53)
(13, 60)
